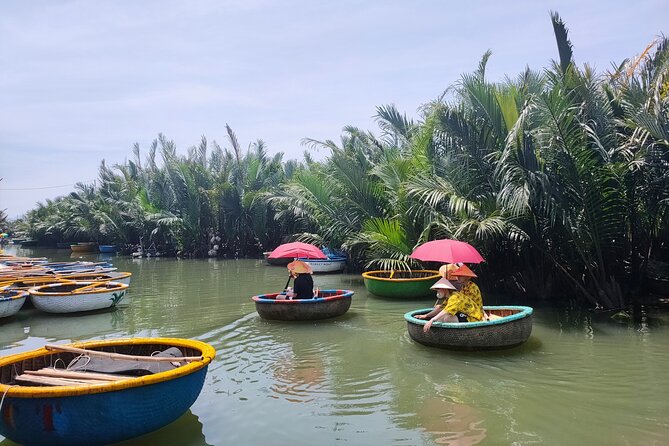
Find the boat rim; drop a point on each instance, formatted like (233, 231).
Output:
(207, 352)
(20, 294)
(369, 275)
(37, 291)
(524, 312)
(260, 298)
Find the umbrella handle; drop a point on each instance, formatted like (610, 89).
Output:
(287, 282)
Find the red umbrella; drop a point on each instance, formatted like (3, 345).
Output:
(447, 251)
(297, 249)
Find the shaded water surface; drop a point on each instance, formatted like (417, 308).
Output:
(360, 380)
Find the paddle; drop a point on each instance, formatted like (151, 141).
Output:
(89, 286)
(287, 282)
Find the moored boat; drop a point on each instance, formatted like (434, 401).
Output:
(112, 390)
(11, 301)
(328, 304)
(329, 265)
(407, 284)
(111, 276)
(83, 247)
(508, 327)
(72, 296)
(276, 262)
(107, 249)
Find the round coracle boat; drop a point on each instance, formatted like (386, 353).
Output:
(99, 392)
(84, 247)
(111, 276)
(408, 284)
(11, 301)
(509, 326)
(72, 297)
(329, 303)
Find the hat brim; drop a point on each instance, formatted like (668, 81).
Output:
(464, 271)
(299, 267)
(442, 284)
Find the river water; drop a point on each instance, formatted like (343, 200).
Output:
(360, 380)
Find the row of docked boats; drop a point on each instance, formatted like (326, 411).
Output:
(59, 287)
(95, 392)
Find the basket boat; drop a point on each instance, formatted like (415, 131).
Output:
(73, 297)
(83, 247)
(11, 301)
(111, 276)
(328, 304)
(276, 262)
(407, 284)
(44, 405)
(513, 327)
(107, 249)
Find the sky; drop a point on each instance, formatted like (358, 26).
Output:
(83, 81)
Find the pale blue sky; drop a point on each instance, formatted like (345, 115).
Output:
(84, 80)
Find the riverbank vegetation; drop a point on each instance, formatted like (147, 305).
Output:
(559, 177)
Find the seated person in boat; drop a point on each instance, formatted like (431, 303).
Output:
(465, 305)
(446, 272)
(303, 284)
(444, 289)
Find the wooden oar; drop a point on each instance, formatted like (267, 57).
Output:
(110, 355)
(90, 287)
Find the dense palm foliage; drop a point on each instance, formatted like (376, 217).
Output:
(559, 177)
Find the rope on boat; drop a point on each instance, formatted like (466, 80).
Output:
(5, 394)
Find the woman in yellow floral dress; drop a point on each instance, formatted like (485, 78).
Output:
(465, 305)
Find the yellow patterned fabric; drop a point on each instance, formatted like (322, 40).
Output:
(467, 301)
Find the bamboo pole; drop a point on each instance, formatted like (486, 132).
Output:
(56, 373)
(121, 356)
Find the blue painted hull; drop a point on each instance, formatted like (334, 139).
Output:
(99, 418)
(107, 249)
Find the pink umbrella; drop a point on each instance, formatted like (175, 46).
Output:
(447, 251)
(297, 249)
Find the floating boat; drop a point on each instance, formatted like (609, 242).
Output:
(329, 303)
(111, 276)
(407, 284)
(330, 265)
(107, 249)
(72, 297)
(276, 262)
(113, 390)
(83, 247)
(510, 326)
(11, 301)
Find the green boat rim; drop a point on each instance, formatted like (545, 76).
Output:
(370, 275)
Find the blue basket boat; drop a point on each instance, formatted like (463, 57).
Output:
(45, 405)
(329, 303)
(107, 249)
(509, 326)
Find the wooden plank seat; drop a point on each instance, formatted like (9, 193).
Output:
(58, 377)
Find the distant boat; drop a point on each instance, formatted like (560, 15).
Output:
(107, 249)
(110, 391)
(83, 247)
(404, 284)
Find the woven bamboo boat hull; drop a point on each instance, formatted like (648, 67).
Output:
(329, 304)
(83, 247)
(402, 284)
(101, 413)
(47, 298)
(11, 302)
(514, 328)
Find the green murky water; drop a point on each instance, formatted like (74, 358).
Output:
(360, 380)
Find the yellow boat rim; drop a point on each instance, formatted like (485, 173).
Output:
(207, 353)
(86, 288)
(370, 275)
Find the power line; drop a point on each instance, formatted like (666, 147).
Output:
(38, 188)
